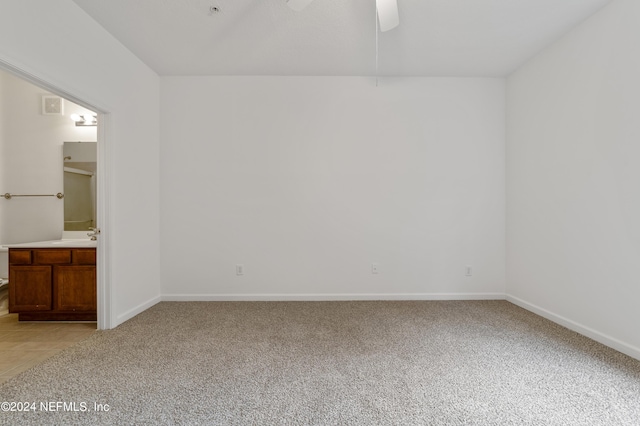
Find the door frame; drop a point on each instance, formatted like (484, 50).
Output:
(104, 186)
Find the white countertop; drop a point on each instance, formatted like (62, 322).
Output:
(64, 243)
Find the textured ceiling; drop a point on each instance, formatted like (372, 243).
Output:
(337, 37)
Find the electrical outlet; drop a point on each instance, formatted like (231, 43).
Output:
(374, 268)
(239, 269)
(468, 270)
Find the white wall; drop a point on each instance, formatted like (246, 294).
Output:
(308, 180)
(31, 161)
(573, 180)
(57, 42)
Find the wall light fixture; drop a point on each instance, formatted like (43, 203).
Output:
(85, 119)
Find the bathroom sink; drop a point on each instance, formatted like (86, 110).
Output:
(64, 243)
(78, 242)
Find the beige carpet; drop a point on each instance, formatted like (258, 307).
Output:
(333, 363)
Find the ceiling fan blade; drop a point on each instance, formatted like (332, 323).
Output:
(298, 5)
(387, 14)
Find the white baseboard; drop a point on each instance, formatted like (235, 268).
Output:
(606, 340)
(329, 297)
(137, 310)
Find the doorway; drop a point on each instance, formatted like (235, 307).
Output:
(99, 131)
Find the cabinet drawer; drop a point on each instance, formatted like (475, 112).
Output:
(19, 257)
(51, 256)
(84, 257)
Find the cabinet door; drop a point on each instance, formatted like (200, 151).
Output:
(29, 288)
(74, 288)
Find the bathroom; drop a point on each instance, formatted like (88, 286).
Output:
(35, 124)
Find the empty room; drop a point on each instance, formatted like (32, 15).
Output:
(321, 212)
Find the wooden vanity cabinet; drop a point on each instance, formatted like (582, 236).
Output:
(56, 284)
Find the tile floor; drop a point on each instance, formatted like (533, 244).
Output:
(25, 344)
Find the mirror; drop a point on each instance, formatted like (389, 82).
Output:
(80, 175)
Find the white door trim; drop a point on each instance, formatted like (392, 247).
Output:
(103, 218)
